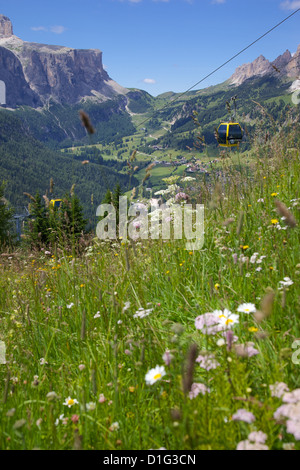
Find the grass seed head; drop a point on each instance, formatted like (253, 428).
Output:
(289, 219)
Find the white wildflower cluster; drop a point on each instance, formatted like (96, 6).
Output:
(142, 312)
(290, 410)
(126, 306)
(285, 283)
(114, 427)
(279, 227)
(171, 189)
(256, 441)
(62, 419)
(295, 202)
(187, 179)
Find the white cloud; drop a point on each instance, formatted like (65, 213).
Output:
(39, 28)
(57, 29)
(52, 29)
(149, 80)
(290, 5)
(218, 2)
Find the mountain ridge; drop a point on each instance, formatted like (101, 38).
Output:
(47, 73)
(37, 74)
(286, 64)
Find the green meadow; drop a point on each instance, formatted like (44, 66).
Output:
(144, 344)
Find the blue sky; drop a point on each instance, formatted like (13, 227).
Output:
(160, 45)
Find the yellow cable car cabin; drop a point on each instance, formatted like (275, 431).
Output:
(229, 134)
(55, 203)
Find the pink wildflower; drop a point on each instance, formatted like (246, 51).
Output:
(198, 388)
(208, 323)
(243, 415)
(292, 397)
(167, 357)
(246, 350)
(258, 436)
(102, 398)
(278, 389)
(248, 445)
(207, 361)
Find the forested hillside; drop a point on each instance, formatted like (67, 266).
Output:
(27, 166)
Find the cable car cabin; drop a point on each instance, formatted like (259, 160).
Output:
(230, 134)
(55, 203)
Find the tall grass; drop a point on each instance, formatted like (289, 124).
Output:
(74, 327)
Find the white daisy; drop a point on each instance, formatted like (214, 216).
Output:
(226, 318)
(229, 321)
(153, 375)
(247, 308)
(70, 402)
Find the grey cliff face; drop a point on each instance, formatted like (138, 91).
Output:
(259, 67)
(65, 76)
(6, 29)
(36, 74)
(293, 66)
(284, 66)
(282, 61)
(18, 91)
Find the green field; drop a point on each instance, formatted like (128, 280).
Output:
(145, 344)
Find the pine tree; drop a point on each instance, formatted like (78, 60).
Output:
(39, 225)
(107, 198)
(71, 222)
(5, 219)
(115, 199)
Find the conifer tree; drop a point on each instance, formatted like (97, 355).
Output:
(71, 221)
(5, 219)
(107, 198)
(39, 226)
(115, 200)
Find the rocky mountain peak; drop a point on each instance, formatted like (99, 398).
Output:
(285, 65)
(36, 74)
(260, 66)
(6, 29)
